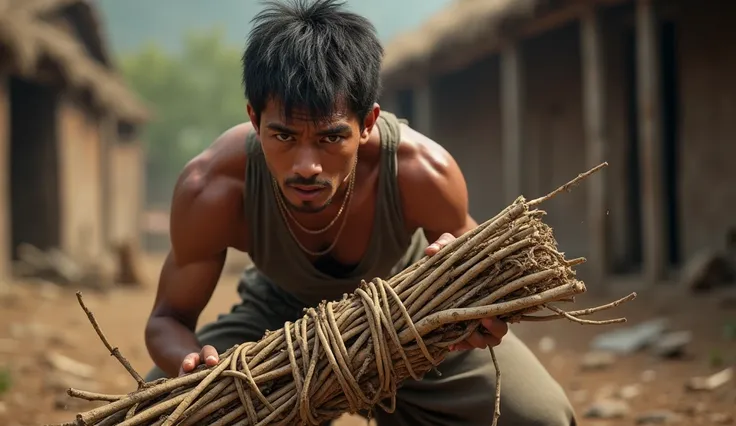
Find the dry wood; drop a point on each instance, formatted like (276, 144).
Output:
(349, 356)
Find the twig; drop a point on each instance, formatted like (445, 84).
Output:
(582, 312)
(497, 403)
(92, 396)
(114, 351)
(566, 187)
(583, 321)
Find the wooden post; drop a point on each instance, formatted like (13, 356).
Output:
(6, 238)
(511, 110)
(105, 131)
(595, 140)
(422, 99)
(650, 140)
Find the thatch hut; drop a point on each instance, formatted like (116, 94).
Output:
(73, 175)
(526, 93)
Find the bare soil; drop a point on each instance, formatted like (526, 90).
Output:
(38, 320)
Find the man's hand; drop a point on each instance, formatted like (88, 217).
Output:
(493, 329)
(208, 355)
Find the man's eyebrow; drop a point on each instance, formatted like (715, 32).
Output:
(276, 127)
(335, 130)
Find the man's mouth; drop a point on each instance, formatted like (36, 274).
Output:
(307, 192)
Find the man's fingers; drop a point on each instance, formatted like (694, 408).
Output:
(495, 327)
(190, 361)
(462, 346)
(476, 340)
(210, 356)
(436, 246)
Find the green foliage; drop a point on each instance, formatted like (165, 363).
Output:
(196, 95)
(5, 380)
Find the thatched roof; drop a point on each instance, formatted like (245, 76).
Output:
(32, 39)
(461, 32)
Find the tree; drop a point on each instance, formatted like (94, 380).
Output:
(196, 95)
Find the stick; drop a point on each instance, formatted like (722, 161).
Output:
(114, 351)
(568, 186)
(497, 403)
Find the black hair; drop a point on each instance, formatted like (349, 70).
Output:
(312, 55)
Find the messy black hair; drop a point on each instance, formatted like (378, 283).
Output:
(312, 55)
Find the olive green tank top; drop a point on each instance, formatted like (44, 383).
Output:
(279, 259)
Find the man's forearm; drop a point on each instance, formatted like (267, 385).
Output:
(168, 342)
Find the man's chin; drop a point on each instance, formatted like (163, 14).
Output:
(308, 207)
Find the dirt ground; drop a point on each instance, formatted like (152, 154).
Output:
(40, 322)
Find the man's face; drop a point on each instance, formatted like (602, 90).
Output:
(311, 160)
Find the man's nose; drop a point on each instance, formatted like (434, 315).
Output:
(306, 163)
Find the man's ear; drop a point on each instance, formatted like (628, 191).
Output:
(253, 117)
(369, 121)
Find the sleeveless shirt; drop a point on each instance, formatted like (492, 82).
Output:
(278, 258)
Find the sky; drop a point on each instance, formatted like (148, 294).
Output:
(131, 23)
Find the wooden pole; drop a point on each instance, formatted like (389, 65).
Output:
(650, 141)
(6, 251)
(511, 111)
(423, 108)
(595, 140)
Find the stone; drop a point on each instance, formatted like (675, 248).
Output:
(608, 409)
(632, 339)
(67, 365)
(673, 345)
(59, 381)
(597, 360)
(659, 417)
(546, 344)
(648, 376)
(711, 382)
(629, 391)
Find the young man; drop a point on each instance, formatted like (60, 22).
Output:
(322, 189)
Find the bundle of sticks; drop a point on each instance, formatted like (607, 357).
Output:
(351, 355)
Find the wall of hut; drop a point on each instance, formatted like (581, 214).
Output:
(82, 180)
(466, 121)
(126, 180)
(707, 106)
(698, 148)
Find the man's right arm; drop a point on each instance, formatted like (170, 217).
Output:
(204, 207)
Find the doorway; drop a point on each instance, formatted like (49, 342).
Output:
(34, 174)
(670, 153)
(670, 142)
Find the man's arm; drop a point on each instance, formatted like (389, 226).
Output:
(204, 208)
(433, 188)
(435, 198)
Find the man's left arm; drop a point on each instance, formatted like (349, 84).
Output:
(435, 198)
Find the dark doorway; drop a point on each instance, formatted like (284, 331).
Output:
(34, 170)
(634, 256)
(670, 148)
(670, 132)
(405, 105)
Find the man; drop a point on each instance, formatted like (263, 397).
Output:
(322, 189)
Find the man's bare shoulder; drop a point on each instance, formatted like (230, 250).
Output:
(208, 197)
(223, 161)
(422, 160)
(430, 180)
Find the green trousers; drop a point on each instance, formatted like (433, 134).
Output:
(462, 395)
